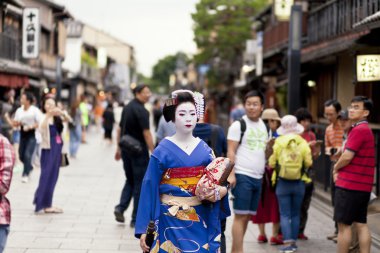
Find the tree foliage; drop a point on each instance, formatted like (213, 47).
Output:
(166, 67)
(220, 32)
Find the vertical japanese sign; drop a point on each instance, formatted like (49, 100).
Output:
(282, 9)
(30, 33)
(368, 68)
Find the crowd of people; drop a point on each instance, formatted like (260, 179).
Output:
(271, 180)
(37, 134)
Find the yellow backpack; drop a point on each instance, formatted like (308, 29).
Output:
(290, 161)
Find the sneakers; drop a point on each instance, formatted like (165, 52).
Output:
(119, 217)
(288, 249)
(25, 179)
(303, 237)
(262, 239)
(275, 241)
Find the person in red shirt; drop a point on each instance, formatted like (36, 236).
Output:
(354, 176)
(7, 161)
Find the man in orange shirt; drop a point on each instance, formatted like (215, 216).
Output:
(333, 145)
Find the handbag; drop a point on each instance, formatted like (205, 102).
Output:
(130, 144)
(64, 160)
(216, 173)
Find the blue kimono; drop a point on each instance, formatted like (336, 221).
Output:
(194, 230)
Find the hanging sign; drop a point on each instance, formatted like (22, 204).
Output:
(30, 33)
(368, 67)
(282, 9)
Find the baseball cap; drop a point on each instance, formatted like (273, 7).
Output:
(343, 115)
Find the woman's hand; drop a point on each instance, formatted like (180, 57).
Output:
(55, 112)
(212, 197)
(143, 245)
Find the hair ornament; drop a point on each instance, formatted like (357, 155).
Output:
(175, 93)
(171, 101)
(199, 104)
(198, 99)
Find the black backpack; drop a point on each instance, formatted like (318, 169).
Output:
(243, 127)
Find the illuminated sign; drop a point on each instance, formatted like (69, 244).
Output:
(368, 67)
(282, 9)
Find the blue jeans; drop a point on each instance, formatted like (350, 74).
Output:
(134, 167)
(75, 139)
(290, 195)
(4, 231)
(26, 150)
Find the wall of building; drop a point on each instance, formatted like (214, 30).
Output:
(345, 76)
(119, 51)
(72, 61)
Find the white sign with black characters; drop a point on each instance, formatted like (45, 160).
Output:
(30, 33)
(368, 67)
(282, 9)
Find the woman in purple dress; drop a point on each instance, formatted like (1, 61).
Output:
(51, 128)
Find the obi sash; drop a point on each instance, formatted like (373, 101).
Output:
(183, 177)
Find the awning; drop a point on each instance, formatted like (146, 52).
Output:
(372, 18)
(13, 81)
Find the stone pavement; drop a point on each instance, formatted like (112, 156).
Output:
(87, 190)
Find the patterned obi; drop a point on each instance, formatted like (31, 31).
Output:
(184, 177)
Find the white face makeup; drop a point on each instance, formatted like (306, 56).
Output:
(185, 118)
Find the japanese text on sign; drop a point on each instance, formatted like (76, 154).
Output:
(30, 33)
(368, 68)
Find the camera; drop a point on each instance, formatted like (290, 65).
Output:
(333, 151)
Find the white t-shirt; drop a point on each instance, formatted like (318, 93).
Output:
(29, 117)
(250, 154)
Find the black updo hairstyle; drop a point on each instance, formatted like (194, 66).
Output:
(172, 103)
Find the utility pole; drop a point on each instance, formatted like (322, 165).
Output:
(294, 59)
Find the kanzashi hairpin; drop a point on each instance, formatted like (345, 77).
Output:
(171, 101)
(199, 104)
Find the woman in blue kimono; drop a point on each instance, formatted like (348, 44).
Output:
(183, 223)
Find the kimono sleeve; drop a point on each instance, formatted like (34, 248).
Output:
(149, 203)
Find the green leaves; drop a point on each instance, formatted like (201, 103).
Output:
(221, 29)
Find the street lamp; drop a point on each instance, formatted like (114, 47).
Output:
(294, 59)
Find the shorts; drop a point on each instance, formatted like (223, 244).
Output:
(16, 136)
(246, 194)
(350, 206)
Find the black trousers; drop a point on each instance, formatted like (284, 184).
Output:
(309, 188)
(134, 168)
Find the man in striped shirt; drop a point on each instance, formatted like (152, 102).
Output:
(354, 176)
(333, 145)
(7, 161)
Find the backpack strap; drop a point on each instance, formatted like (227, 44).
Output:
(214, 137)
(243, 127)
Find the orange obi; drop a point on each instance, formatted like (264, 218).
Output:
(184, 177)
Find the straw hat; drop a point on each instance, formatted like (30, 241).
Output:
(270, 114)
(289, 125)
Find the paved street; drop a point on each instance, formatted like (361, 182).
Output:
(87, 190)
